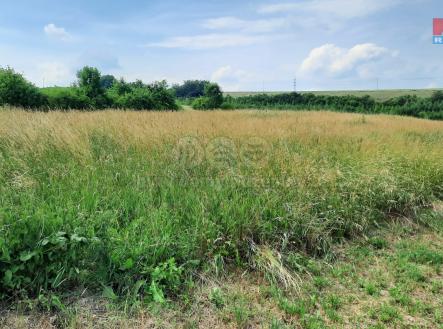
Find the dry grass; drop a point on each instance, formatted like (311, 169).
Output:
(149, 127)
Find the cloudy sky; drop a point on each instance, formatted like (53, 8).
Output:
(243, 45)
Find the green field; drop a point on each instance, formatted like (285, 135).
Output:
(378, 95)
(222, 219)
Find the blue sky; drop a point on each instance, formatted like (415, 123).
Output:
(243, 45)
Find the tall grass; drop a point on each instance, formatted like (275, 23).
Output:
(137, 201)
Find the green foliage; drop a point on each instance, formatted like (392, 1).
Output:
(201, 103)
(190, 89)
(370, 287)
(94, 91)
(165, 279)
(216, 297)
(420, 254)
(320, 282)
(427, 108)
(107, 81)
(214, 94)
(15, 90)
(437, 96)
(378, 242)
(400, 296)
(66, 98)
(385, 313)
(302, 101)
(161, 96)
(137, 99)
(139, 96)
(212, 99)
(50, 263)
(89, 82)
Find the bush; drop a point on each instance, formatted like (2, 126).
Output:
(432, 115)
(162, 97)
(212, 99)
(15, 90)
(201, 103)
(139, 96)
(437, 96)
(214, 95)
(137, 99)
(66, 98)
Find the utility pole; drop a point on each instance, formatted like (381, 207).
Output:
(377, 83)
(295, 85)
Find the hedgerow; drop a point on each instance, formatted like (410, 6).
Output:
(427, 108)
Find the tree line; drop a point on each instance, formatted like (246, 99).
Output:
(409, 105)
(94, 91)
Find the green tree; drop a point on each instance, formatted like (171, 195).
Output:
(437, 96)
(15, 90)
(89, 81)
(89, 84)
(212, 99)
(190, 89)
(214, 94)
(107, 81)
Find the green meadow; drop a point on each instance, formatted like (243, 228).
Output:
(145, 210)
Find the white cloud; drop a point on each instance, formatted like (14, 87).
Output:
(338, 8)
(252, 26)
(208, 41)
(231, 79)
(334, 61)
(227, 72)
(53, 73)
(55, 32)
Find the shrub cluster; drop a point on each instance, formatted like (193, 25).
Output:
(211, 99)
(140, 96)
(429, 108)
(92, 91)
(16, 91)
